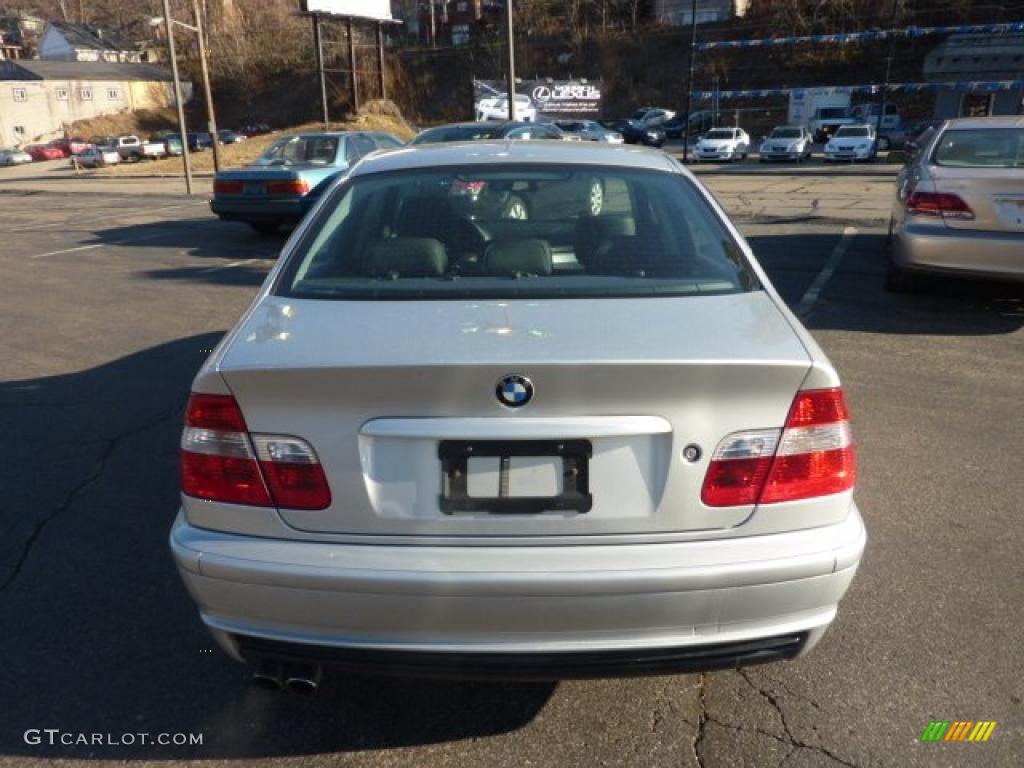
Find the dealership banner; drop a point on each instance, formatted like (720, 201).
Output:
(538, 99)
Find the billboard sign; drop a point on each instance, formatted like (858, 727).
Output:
(538, 99)
(378, 10)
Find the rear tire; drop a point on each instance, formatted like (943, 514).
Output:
(595, 197)
(265, 227)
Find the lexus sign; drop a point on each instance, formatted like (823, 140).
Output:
(544, 99)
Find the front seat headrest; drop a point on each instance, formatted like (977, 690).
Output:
(408, 257)
(518, 257)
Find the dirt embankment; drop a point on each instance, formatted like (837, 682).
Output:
(375, 116)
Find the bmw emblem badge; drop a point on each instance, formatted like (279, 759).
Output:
(514, 391)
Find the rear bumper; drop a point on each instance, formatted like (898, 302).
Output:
(931, 248)
(285, 211)
(564, 612)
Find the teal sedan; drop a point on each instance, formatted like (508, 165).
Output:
(279, 187)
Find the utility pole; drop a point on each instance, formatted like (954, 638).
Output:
(352, 65)
(380, 60)
(433, 25)
(511, 61)
(319, 44)
(212, 117)
(689, 79)
(888, 71)
(177, 97)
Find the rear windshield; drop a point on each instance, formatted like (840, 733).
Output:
(721, 135)
(846, 132)
(546, 231)
(833, 112)
(301, 150)
(456, 133)
(981, 148)
(786, 133)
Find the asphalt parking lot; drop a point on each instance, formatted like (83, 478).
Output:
(111, 297)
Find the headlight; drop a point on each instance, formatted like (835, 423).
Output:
(794, 147)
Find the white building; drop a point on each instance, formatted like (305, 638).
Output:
(680, 12)
(39, 99)
(78, 42)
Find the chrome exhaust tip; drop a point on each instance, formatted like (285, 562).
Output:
(304, 678)
(269, 675)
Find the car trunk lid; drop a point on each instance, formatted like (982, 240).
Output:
(389, 393)
(994, 195)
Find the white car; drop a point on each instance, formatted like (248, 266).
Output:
(787, 142)
(14, 157)
(586, 443)
(852, 143)
(723, 144)
(96, 157)
(496, 108)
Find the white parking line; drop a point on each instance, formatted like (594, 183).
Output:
(225, 266)
(91, 246)
(121, 217)
(814, 291)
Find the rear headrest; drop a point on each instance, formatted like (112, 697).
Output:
(518, 257)
(408, 257)
(595, 232)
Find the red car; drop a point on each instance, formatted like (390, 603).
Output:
(70, 146)
(45, 152)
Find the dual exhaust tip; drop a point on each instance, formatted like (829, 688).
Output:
(297, 678)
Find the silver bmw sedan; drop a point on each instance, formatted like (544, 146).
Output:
(481, 421)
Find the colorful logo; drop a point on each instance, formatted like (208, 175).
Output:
(958, 730)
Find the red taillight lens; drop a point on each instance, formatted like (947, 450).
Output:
(812, 456)
(938, 205)
(218, 462)
(227, 187)
(290, 187)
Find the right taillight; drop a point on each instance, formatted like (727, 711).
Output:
(943, 205)
(219, 463)
(226, 187)
(813, 455)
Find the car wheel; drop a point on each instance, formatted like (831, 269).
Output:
(265, 227)
(515, 208)
(595, 198)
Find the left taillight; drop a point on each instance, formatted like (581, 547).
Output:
(812, 456)
(219, 462)
(224, 187)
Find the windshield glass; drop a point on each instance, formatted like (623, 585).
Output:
(847, 132)
(457, 133)
(720, 134)
(306, 150)
(981, 148)
(786, 133)
(833, 112)
(551, 231)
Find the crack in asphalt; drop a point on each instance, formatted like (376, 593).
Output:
(702, 720)
(97, 470)
(790, 738)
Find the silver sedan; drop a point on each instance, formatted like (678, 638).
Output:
(959, 206)
(442, 441)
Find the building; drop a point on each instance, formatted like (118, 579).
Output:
(680, 12)
(972, 59)
(40, 99)
(8, 50)
(79, 42)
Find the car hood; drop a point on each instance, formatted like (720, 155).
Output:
(718, 143)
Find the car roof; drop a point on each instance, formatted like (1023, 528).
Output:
(1009, 121)
(503, 152)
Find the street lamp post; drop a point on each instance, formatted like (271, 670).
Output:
(511, 61)
(206, 86)
(177, 97)
(689, 79)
